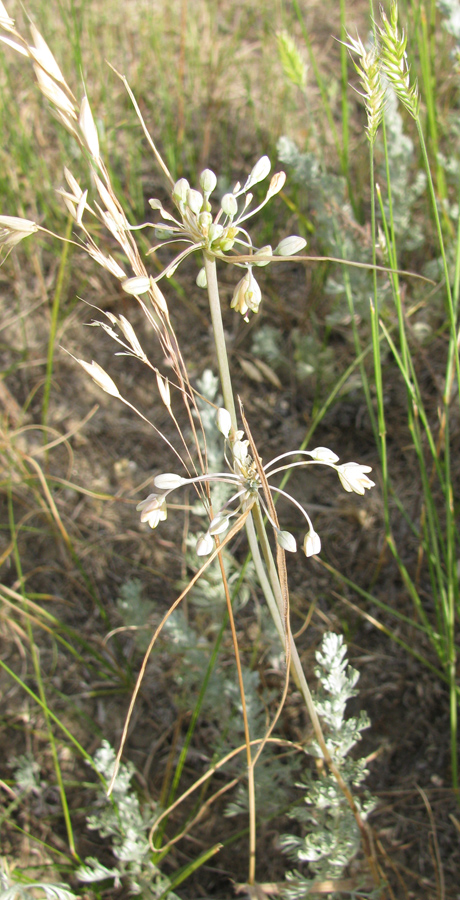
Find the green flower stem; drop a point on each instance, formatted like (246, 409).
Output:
(219, 337)
(270, 584)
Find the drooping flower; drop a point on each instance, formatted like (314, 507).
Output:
(247, 295)
(153, 509)
(244, 476)
(353, 477)
(312, 543)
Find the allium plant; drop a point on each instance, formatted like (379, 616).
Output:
(220, 236)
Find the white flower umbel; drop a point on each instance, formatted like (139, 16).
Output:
(244, 477)
(222, 236)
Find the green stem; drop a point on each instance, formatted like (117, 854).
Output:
(219, 337)
(54, 323)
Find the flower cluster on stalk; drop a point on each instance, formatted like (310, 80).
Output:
(243, 475)
(222, 236)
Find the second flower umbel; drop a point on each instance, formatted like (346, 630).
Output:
(243, 474)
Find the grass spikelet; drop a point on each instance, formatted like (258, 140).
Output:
(293, 65)
(369, 71)
(394, 60)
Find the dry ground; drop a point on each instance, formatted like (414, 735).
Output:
(111, 454)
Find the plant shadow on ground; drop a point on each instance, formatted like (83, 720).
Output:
(78, 553)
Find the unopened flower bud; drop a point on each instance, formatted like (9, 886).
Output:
(291, 245)
(201, 279)
(204, 222)
(323, 454)
(194, 201)
(218, 525)
(228, 239)
(208, 181)
(180, 190)
(136, 286)
(259, 172)
(312, 543)
(168, 481)
(215, 232)
(224, 421)
(163, 232)
(229, 205)
(265, 253)
(287, 541)
(276, 184)
(204, 545)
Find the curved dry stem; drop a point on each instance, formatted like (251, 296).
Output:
(231, 534)
(250, 258)
(211, 771)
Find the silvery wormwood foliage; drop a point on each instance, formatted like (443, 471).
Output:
(122, 819)
(332, 838)
(244, 476)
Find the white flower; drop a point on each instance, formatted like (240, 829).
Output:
(312, 543)
(353, 477)
(200, 229)
(204, 545)
(247, 294)
(153, 510)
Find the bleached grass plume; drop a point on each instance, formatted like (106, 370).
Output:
(12, 230)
